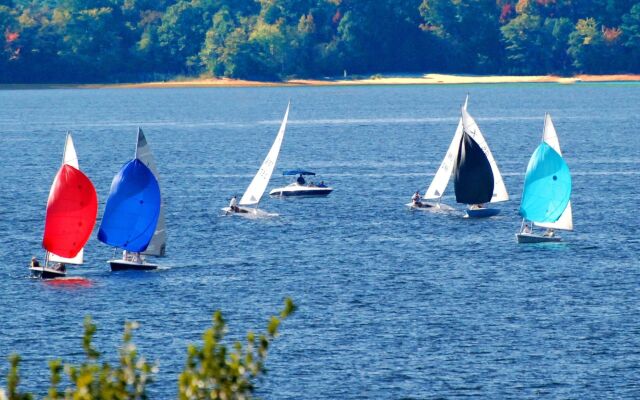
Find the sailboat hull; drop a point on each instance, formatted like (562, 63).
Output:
(482, 212)
(46, 273)
(429, 206)
(122, 265)
(534, 238)
(248, 212)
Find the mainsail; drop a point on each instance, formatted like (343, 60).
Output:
(472, 129)
(473, 179)
(158, 244)
(259, 184)
(441, 179)
(549, 135)
(547, 186)
(132, 209)
(72, 208)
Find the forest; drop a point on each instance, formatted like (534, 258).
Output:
(108, 41)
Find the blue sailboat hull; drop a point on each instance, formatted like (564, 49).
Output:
(482, 212)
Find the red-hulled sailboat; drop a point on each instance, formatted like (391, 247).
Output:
(71, 214)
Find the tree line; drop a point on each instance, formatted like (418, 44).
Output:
(141, 40)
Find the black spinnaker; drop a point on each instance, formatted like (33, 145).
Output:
(473, 181)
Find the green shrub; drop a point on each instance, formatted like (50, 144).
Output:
(212, 371)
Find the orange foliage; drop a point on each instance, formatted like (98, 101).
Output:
(11, 36)
(506, 11)
(337, 17)
(611, 34)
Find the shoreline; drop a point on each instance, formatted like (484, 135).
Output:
(378, 79)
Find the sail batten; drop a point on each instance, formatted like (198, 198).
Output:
(260, 181)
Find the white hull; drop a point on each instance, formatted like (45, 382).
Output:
(248, 212)
(296, 190)
(429, 206)
(535, 238)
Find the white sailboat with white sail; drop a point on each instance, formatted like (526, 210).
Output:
(433, 196)
(547, 191)
(248, 204)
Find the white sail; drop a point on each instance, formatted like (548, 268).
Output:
(70, 158)
(158, 244)
(260, 182)
(549, 135)
(472, 129)
(443, 175)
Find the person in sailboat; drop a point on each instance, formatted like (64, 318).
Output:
(233, 204)
(34, 262)
(60, 267)
(416, 200)
(549, 233)
(476, 206)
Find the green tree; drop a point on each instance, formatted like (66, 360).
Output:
(631, 37)
(537, 45)
(471, 30)
(595, 49)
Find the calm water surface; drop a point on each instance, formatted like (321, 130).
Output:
(392, 303)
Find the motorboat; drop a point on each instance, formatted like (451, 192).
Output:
(300, 187)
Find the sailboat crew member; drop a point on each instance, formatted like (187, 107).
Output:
(416, 199)
(34, 262)
(233, 204)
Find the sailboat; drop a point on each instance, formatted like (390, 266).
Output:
(133, 217)
(547, 190)
(477, 179)
(72, 208)
(248, 205)
(440, 181)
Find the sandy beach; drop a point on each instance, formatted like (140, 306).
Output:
(378, 79)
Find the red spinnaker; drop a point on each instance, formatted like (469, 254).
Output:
(71, 213)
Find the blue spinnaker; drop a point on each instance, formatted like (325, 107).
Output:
(132, 210)
(547, 186)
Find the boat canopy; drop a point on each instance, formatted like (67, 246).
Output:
(298, 172)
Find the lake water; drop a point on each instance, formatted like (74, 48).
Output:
(392, 303)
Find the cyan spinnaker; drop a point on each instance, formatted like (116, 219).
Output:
(547, 186)
(132, 209)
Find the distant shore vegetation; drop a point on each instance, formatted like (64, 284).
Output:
(110, 41)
